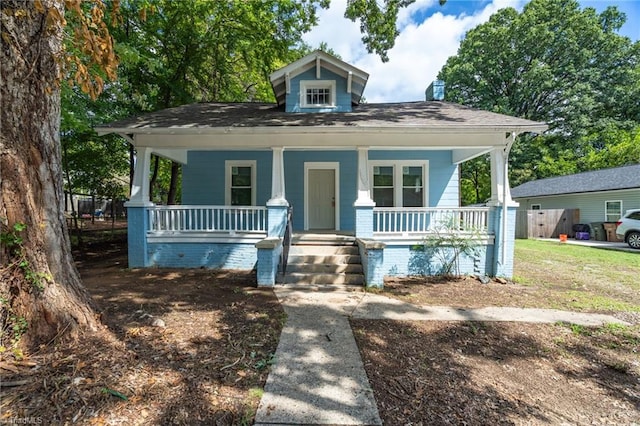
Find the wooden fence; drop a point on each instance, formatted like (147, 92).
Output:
(548, 223)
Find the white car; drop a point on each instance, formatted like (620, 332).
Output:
(629, 228)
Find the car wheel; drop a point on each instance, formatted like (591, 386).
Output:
(633, 239)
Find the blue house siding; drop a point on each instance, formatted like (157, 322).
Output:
(591, 205)
(294, 183)
(137, 225)
(203, 177)
(203, 255)
(343, 99)
(495, 222)
(413, 259)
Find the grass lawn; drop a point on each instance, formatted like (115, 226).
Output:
(546, 275)
(579, 278)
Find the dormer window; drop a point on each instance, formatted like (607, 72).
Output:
(318, 93)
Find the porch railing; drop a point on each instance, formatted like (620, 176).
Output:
(231, 219)
(404, 220)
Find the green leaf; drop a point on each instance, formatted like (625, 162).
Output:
(114, 393)
(557, 63)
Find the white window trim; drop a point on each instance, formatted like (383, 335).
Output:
(317, 84)
(228, 165)
(397, 178)
(532, 207)
(606, 210)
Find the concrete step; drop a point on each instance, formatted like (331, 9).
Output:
(323, 239)
(325, 268)
(322, 288)
(317, 250)
(306, 278)
(330, 259)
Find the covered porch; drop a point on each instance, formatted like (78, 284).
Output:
(279, 149)
(257, 236)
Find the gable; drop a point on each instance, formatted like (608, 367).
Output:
(307, 84)
(321, 68)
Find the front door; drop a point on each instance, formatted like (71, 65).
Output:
(321, 206)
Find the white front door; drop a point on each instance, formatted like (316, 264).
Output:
(321, 198)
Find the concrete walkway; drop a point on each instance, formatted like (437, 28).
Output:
(318, 377)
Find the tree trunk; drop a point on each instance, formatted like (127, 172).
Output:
(173, 184)
(31, 186)
(154, 176)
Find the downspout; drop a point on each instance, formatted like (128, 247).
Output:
(505, 180)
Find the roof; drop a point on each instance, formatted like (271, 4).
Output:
(202, 118)
(626, 177)
(279, 78)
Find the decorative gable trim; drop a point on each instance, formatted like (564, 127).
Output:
(357, 79)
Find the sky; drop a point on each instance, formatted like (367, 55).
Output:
(429, 34)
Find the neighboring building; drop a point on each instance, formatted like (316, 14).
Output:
(600, 195)
(596, 198)
(386, 174)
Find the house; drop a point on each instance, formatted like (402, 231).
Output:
(384, 175)
(599, 195)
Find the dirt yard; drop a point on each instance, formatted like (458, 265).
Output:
(190, 347)
(207, 365)
(425, 373)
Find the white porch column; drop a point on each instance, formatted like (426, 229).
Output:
(277, 179)
(364, 189)
(500, 191)
(503, 209)
(140, 187)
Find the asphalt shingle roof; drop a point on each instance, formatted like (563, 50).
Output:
(625, 177)
(433, 114)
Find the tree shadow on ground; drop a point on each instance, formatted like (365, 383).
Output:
(207, 366)
(493, 373)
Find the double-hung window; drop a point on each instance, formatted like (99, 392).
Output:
(612, 210)
(240, 183)
(318, 93)
(399, 183)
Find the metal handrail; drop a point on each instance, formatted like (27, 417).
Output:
(286, 242)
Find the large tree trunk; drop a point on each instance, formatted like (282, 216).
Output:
(31, 184)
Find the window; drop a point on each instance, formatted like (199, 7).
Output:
(240, 183)
(399, 184)
(613, 210)
(383, 186)
(412, 186)
(535, 206)
(319, 96)
(318, 93)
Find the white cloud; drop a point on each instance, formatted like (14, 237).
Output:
(421, 49)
